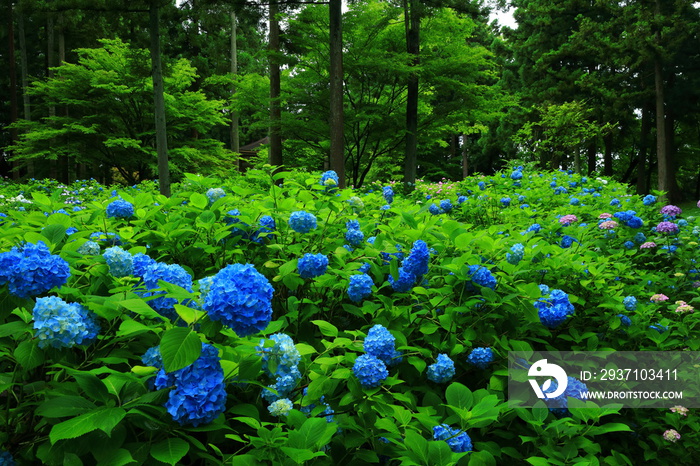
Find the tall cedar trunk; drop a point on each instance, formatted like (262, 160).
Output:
(50, 64)
(661, 154)
(592, 151)
(607, 156)
(24, 65)
(673, 193)
(63, 161)
(275, 155)
(465, 157)
(577, 160)
(642, 187)
(235, 140)
(412, 23)
(159, 103)
(14, 110)
(337, 153)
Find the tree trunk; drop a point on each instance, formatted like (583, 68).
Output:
(51, 62)
(159, 103)
(592, 151)
(14, 110)
(235, 140)
(24, 64)
(337, 153)
(63, 160)
(642, 187)
(465, 157)
(672, 185)
(577, 160)
(412, 25)
(607, 156)
(661, 155)
(275, 156)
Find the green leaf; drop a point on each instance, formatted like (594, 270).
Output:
(29, 355)
(198, 200)
(41, 199)
(327, 329)
(459, 396)
(610, 427)
(538, 461)
(16, 328)
(309, 434)
(439, 453)
(140, 307)
(418, 445)
(64, 406)
(170, 450)
(104, 419)
(179, 348)
(54, 233)
(299, 455)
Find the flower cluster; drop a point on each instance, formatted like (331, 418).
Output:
(356, 204)
(280, 407)
(267, 228)
(683, 411)
(199, 395)
(446, 205)
(672, 435)
(649, 199)
(380, 344)
(360, 287)
(516, 255)
(574, 389)
(171, 273)
(554, 308)
(658, 298)
(481, 357)
(370, 371)
(671, 211)
(567, 241)
(329, 180)
(388, 194)
(241, 298)
(568, 219)
(63, 325)
(647, 245)
(684, 307)
(630, 303)
(517, 174)
(607, 225)
(302, 221)
(30, 270)
(412, 268)
(443, 370)
(89, 248)
(215, 193)
(120, 209)
(312, 265)
(354, 235)
(457, 439)
(120, 262)
(281, 362)
(667, 227)
(481, 276)
(6, 459)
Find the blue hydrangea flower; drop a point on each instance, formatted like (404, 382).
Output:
(213, 194)
(281, 407)
(635, 222)
(418, 258)
(574, 201)
(639, 238)
(120, 262)
(434, 209)
(559, 405)
(312, 265)
(329, 179)
(141, 262)
(6, 459)
(280, 359)
(30, 270)
(405, 281)
(534, 227)
(482, 185)
(354, 237)
(241, 298)
(630, 303)
(624, 320)
(615, 202)
(629, 245)
(302, 222)
(370, 371)
(63, 325)
(120, 209)
(360, 287)
(89, 248)
(505, 201)
(267, 227)
(443, 370)
(388, 194)
(567, 241)
(152, 357)
(481, 357)
(516, 255)
(171, 273)
(112, 239)
(457, 439)
(481, 276)
(516, 175)
(380, 344)
(199, 395)
(649, 199)
(554, 309)
(446, 205)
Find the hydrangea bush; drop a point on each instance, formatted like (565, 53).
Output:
(254, 321)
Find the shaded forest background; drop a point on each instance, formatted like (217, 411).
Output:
(430, 88)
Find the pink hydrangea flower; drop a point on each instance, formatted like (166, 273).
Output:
(658, 298)
(680, 410)
(605, 215)
(608, 225)
(648, 245)
(684, 307)
(672, 435)
(568, 219)
(699, 204)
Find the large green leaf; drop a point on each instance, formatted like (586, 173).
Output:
(28, 354)
(104, 419)
(170, 450)
(64, 406)
(179, 348)
(198, 200)
(459, 396)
